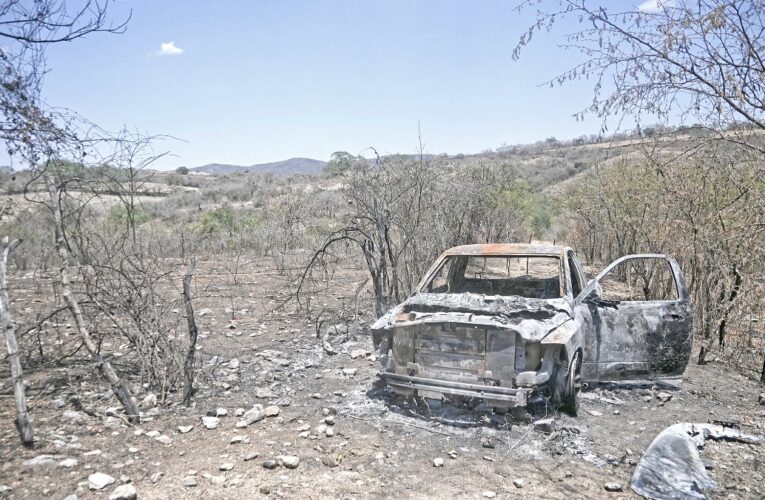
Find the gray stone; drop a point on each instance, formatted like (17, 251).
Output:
(183, 429)
(226, 466)
(124, 492)
(289, 461)
(149, 401)
(189, 482)
(251, 456)
(68, 463)
(154, 478)
(264, 393)
(270, 464)
(518, 483)
(488, 494)
(761, 399)
(663, 397)
(218, 480)
(614, 487)
(163, 439)
(40, 460)
(254, 414)
(99, 481)
(358, 353)
(438, 462)
(210, 422)
(153, 434)
(271, 411)
(546, 425)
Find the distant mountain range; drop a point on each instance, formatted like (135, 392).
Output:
(284, 167)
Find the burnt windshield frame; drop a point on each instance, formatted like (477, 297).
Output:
(458, 264)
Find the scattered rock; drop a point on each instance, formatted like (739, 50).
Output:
(546, 425)
(233, 364)
(163, 439)
(271, 411)
(183, 429)
(264, 393)
(99, 481)
(150, 401)
(205, 312)
(349, 371)
(40, 460)
(254, 414)
(154, 478)
(153, 434)
(518, 483)
(251, 456)
(226, 466)
(270, 464)
(452, 454)
(221, 412)
(663, 397)
(614, 487)
(329, 431)
(488, 494)
(6, 490)
(289, 461)
(217, 480)
(761, 399)
(595, 413)
(124, 492)
(68, 463)
(316, 395)
(358, 353)
(330, 420)
(74, 416)
(331, 460)
(239, 440)
(210, 422)
(487, 442)
(438, 462)
(189, 482)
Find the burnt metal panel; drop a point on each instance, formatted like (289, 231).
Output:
(500, 354)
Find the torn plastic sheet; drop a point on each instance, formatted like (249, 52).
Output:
(671, 467)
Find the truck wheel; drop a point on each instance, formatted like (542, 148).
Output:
(573, 384)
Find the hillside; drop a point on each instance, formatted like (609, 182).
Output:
(285, 167)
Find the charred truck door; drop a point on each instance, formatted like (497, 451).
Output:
(638, 320)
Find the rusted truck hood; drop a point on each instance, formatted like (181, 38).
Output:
(533, 319)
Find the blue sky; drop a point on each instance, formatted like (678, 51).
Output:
(257, 81)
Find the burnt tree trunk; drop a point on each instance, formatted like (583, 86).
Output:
(23, 423)
(188, 366)
(106, 369)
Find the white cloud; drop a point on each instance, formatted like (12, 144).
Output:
(654, 5)
(169, 49)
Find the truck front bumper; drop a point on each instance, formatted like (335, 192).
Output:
(491, 394)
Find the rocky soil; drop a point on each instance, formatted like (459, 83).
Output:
(277, 415)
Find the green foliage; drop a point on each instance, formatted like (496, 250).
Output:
(532, 208)
(118, 214)
(341, 162)
(220, 220)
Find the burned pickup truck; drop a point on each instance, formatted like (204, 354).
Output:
(511, 325)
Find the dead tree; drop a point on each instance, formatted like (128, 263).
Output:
(62, 249)
(188, 367)
(23, 424)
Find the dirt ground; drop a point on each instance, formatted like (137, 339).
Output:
(380, 446)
